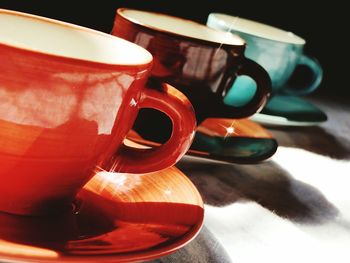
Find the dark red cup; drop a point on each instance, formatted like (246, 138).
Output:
(201, 62)
(68, 97)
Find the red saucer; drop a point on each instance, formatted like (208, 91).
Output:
(117, 218)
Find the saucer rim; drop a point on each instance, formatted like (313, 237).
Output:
(237, 160)
(136, 257)
(280, 121)
(199, 155)
(273, 120)
(158, 251)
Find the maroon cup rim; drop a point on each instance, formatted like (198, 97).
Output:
(154, 29)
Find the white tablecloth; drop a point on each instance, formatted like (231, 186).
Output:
(294, 207)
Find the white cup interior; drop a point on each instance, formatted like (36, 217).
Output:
(228, 22)
(63, 39)
(180, 26)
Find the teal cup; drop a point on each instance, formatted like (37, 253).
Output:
(279, 52)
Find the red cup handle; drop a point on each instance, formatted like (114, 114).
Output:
(180, 111)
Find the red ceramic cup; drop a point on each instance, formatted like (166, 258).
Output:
(68, 97)
(201, 62)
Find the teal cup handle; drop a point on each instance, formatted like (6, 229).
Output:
(317, 74)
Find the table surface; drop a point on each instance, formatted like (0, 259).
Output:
(294, 207)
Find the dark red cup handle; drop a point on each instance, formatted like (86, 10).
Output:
(180, 111)
(263, 89)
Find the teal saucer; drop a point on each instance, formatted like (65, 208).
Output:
(233, 149)
(221, 140)
(290, 111)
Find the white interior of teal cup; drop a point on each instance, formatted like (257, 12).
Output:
(180, 26)
(63, 39)
(235, 23)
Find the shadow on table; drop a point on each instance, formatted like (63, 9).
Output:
(204, 248)
(266, 183)
(314, 139)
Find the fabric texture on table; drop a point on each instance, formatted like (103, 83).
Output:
(294, 207)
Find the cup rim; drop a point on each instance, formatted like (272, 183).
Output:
(120, 12)
(148, 58)
(297, 39)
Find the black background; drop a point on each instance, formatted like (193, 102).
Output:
(321, 23)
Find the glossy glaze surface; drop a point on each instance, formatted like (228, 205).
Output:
(203, 70)
(279, 58)
(225, 140)
(287, 110)
(229, 127)
(117, 218)
(61, 118)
